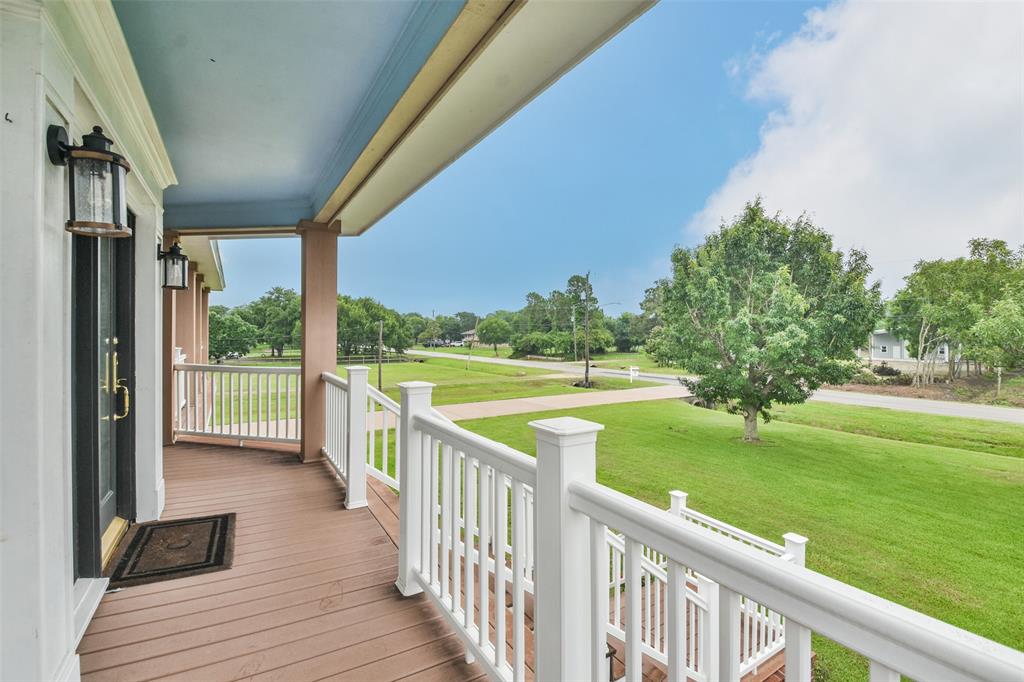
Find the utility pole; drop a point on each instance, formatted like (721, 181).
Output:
(575, 351)
(469, 342)
(586, 334)
(380, 354)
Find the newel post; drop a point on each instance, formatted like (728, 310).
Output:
(355, 451)
(678, 502)
(415, 399)
(798, 638)
(566, 452)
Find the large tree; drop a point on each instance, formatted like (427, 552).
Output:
(229, 333)
(766, 311)
(493, 331)
(359, 321)
(274, 315)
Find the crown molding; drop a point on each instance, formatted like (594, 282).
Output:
(27, 9)
(101, 33)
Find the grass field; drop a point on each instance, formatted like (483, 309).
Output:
(478, 350)
(626, 360)
(935, 528)
(978, 435)
(455, 384)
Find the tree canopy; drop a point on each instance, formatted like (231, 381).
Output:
(229, 333)
(493, 331)
(275, 315)
(766, 311)
(358, 326)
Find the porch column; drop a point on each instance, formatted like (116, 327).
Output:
(202, 330)
(169, 343)
(319, 328)
(185, 307)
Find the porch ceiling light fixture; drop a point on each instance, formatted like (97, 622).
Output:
(175, 272)
(96, 183)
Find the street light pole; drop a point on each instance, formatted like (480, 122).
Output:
(586, 335)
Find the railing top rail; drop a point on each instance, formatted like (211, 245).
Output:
(517, 464)
(897, 637)
(383, 399)
(756, 540)
(239, 369)
(334, 380)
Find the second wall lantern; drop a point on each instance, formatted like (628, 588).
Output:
(175, 271)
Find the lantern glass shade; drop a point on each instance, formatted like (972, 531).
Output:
(175, 269)
(96, 185)
(94, 191)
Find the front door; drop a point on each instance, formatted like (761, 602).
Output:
(102, 369)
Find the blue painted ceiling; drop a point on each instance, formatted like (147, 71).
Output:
(264, 105)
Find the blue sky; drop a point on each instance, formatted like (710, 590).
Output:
(682, 117)
(600, 173)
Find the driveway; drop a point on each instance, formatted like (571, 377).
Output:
(1012, 415)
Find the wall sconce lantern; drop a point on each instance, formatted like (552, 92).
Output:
(99, 203)
(175, 272)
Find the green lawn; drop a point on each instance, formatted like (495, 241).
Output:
(624, 361)
(483, 381)
(478, 350)
(455, 384)
(938, 529)
(979, 435)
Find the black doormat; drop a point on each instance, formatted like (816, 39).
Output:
(164, 550)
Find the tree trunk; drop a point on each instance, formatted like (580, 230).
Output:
(495, 350)
(750, 424)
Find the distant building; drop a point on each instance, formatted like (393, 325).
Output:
(469, 336)
(887, 346)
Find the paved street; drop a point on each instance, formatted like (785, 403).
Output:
(941, 407)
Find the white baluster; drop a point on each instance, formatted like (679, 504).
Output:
(355, 462)
(879, 673)
(676, 612)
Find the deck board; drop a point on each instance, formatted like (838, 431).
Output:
(310, 594)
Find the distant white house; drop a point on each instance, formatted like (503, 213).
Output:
(887, 346)
(469, 336)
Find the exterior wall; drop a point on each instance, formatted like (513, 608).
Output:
(52, 70)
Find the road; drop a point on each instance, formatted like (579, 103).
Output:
(1012, 415)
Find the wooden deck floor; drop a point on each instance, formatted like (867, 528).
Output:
(310, 594)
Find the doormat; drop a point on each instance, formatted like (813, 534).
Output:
(164, 550)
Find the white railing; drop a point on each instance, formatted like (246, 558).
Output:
(707, 600)
(383, 423)
(453, 480)
(239, 402)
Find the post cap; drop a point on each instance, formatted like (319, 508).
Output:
(794, 539)
(357, 369)
(415, 386)
(563, 429)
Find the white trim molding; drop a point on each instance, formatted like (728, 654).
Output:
(101, 32)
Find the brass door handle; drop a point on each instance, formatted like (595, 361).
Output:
(127, 399)
(119, 386)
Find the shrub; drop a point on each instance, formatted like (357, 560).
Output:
(884, 370)
(534, 343)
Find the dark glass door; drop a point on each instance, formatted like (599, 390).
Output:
(102, 384)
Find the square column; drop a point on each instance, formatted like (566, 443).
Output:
(203, 325)
(319, 328)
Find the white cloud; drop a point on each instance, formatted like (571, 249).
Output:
(899, 127)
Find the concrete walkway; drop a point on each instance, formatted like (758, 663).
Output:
(1011, 415)
(565, 401)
